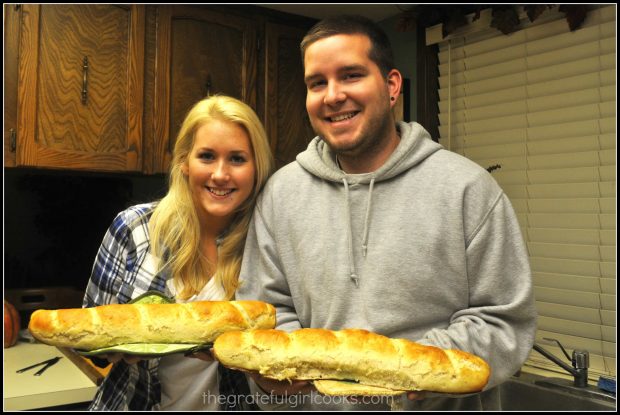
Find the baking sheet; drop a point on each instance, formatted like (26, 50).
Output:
(351, 384)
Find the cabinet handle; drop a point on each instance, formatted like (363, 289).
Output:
(12, 140)
(85, 80)
(208, 85)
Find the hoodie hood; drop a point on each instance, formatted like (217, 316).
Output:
(414, 147)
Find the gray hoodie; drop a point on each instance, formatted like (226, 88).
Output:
(426, 248)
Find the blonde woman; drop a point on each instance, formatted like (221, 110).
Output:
(187, 246)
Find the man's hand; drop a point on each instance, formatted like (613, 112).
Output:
(416, 395)
(282, 387)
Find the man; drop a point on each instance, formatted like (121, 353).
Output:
(376, 226)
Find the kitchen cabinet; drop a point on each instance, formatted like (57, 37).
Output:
(11, 40)
(286, 119)
(80, 87)
(105, 87)
(200, 52)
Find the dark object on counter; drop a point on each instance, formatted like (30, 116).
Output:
(46, 365)
(607, 384)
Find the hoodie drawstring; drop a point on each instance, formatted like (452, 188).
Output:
(366, 220)
(352, 273)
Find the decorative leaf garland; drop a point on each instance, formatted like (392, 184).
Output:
(505, 17)
(575, 14)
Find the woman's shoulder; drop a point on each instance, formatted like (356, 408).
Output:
(142, 209)
(135, 215)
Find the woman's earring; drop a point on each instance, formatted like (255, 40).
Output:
(392, 98)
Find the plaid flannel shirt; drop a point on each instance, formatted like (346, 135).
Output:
(125, 269)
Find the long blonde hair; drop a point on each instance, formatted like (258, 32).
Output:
(174, 226)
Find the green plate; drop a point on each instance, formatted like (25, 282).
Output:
(149, 349)
(152, 297)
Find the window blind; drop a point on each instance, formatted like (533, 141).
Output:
(541, 103)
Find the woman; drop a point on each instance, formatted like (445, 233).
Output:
(188, 246)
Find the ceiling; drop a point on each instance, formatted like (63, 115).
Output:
(375, 12)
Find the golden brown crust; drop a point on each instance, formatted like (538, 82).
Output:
(353, 354)
(115, 324)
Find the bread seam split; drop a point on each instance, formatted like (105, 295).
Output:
(241, 310)
(193, 313)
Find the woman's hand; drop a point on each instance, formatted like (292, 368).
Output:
(117, 357)
(206, 355)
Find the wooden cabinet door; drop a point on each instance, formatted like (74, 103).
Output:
(200, 52)
(286, 119)
(80, 90)
(11, 55)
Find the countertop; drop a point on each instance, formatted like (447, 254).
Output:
(61, 384)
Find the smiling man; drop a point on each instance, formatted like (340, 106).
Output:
(349, 101)
(377, 227)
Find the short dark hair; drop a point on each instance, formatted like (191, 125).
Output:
(380, 49)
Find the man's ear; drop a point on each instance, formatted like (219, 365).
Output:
(395, 83)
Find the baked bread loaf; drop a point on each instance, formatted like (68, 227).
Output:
(355, 355)
(116, 324)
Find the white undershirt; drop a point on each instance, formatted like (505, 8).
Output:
(189, 384)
